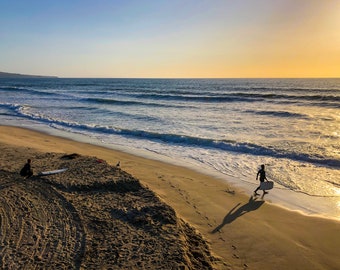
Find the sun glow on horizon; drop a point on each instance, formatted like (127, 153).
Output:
(173, 39)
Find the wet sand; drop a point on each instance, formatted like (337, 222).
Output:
(146, 214)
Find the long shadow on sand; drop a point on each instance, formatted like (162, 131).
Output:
(234, 213)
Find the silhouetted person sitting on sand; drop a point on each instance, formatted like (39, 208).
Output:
(262, 174)
(27, 170)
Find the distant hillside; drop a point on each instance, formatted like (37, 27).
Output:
(16, 75)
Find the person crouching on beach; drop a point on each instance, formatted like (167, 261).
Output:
(262, 174)
(27, 170)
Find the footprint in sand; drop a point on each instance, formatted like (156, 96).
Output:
(222, 239)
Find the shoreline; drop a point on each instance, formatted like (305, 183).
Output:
(314, 206)
(237, 228)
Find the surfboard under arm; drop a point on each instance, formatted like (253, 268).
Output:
(266, 185)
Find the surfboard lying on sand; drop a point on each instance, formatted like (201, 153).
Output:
(52, 172)
(266, 185)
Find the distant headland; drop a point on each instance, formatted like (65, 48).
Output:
(18, 76)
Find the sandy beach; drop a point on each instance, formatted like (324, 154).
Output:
(146, 214)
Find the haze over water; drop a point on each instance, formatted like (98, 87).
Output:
(226, 127)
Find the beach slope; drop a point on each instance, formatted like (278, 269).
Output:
(138, 215)
(91, 216)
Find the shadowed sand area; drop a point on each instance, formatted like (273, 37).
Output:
(98, 216)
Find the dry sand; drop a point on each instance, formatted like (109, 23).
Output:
(95, 216)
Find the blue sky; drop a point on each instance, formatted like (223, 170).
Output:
(215, 38)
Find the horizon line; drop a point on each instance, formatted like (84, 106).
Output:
(198, 78)
(176, 78)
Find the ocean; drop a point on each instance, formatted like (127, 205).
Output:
(223, 127)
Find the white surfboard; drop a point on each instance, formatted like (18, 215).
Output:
(266, 185)
(52, 172)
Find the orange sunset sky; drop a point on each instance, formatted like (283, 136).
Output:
(171, 39)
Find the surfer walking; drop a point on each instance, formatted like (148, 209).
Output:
(27, 170)
(262, 174)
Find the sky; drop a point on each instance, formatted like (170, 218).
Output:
(171, 39)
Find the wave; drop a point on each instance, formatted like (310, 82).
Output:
(199, 94)
(20, 90)
(126, 102)
(12, 107)
(17, 109)
(317, 97)
(205, 90)
(309, 89)
(320, 100)
(195, 98)
(279, 114)
(225, 145)
(23, 111)
(178, 139)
